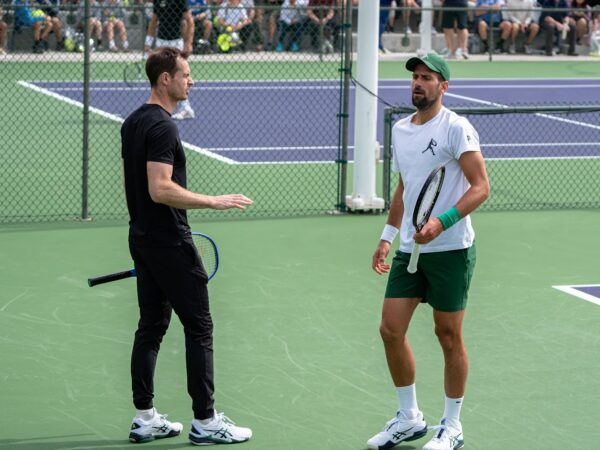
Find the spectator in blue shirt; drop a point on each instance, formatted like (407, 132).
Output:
(488, 13)
(202, 16)
(557, 21)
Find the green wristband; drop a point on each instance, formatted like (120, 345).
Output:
(449, 218)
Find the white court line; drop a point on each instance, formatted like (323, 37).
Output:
(570, 289)
(118, 119)
(505, 86)
(545, 116)
(205, 88)
(543, 144)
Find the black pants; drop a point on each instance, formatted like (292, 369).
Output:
(550, 30)
(172, 278)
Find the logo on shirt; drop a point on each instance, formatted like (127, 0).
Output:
(430, 147)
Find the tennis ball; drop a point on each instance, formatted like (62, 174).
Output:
(38, 13)
(69, 44)
(228, 30)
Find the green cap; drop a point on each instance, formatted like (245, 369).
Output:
(432, 60)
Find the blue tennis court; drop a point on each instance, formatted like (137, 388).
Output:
(293, 106)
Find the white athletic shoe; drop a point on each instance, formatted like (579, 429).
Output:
(157, 428)
(448, 436)
(185, 113)
(399, 429)
(220, 431)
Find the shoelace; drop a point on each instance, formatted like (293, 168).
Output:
(223, 418)
(443, 431)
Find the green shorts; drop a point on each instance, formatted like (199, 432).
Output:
(442, 278)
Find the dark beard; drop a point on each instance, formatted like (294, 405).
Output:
(423, 103)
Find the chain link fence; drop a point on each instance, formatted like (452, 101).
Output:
(270, 110)
(266, 102)
(539, 157)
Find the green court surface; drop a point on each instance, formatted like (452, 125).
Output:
(298, 355)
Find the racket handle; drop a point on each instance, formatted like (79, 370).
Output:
(414, 258)
(112, 277)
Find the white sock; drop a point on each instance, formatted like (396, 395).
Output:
(206, 421)
(145, 414)
(452, 409)
(407, 400)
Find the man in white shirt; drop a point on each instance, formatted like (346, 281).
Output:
(430, 137)
(523, 21)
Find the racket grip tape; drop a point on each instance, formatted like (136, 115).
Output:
(414, 258)
(112, 277)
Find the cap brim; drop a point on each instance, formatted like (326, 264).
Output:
(412, 63)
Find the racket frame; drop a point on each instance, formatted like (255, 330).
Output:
(132, 273)
(414, 256)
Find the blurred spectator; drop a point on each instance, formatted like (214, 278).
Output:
(488, 13)
(202, 16)
(270, 10)
(28, 14)
(50, 8)
(255, 30)
(233, 18)
(595, 35)
(3, 28)
(94, 21)
(385, 16)
(557, 21)
(522, 22)
(455, 21)
(113, 20)
(172, 25)
(408, 8)
(321, 24)
(581, 13)
(293, 20)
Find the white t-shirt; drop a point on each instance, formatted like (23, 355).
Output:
(417, 150)
(232, 15)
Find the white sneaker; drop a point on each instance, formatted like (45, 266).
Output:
(185, 113)
(220, 431)
(528, 50)
(447, 437)
(512, 49)
(399, 429)
(458, 53)
(465, 54)
(157, 428)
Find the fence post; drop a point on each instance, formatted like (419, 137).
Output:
(86, 115)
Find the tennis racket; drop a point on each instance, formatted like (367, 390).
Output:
(133, 72)
(207, 249)
(425, 203)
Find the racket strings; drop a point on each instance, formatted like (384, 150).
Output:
(207, 254)
(428, 200)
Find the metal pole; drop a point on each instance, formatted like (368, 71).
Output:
(387, 143)
(86, 114)
(344, 114)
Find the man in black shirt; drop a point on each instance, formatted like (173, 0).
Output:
(170, 275)
(173, 26)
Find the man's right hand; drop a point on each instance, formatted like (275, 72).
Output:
(378, 263)
(229, 201)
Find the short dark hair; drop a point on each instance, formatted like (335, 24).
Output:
(162, 60)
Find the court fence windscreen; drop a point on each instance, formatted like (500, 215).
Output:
(545, 157)
(264, 115)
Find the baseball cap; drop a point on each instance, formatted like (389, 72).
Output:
(432, 60)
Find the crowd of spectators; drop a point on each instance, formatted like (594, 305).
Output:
(314, 25)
